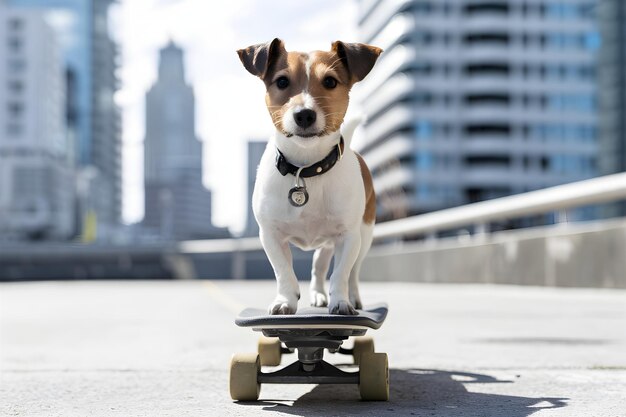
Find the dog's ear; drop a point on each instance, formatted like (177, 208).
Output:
(358, 58)
(259, 59)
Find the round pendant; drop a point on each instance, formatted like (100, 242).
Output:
(298, 196)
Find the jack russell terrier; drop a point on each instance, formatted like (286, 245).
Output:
(311, 189)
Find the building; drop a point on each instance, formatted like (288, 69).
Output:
(475, 99)
(36, 170)
(92, 116)
(177, 204)
(255, 152)
(611, 15)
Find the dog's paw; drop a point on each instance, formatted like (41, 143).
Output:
(318, 299)
(281, 305)
(342, 307)
(356, 302)
(355, 298)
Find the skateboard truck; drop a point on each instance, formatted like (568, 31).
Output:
(310, 334)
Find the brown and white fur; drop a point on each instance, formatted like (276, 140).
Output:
(339, 216)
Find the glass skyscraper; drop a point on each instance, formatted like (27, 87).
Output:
(93, 119)
(473, 100)
(177, 205)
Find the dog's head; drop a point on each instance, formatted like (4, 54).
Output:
(307, 93)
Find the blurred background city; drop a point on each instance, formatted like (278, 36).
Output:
(130, 136)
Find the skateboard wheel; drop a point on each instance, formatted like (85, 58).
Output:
(362, 345)
(244, 368)
(374, 376)
(269, 351)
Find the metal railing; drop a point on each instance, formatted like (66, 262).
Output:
(604, 189)
(244, 244)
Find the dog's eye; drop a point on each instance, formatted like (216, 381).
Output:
(282, 83)
(329, 82)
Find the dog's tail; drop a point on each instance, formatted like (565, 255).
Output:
(349, 126)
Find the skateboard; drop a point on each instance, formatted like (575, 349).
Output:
(309, 332)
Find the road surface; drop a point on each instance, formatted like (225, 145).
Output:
(162, 349)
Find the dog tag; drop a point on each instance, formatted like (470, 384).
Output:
(298, 196)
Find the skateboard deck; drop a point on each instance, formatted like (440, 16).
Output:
(371, 317)
(310, 332)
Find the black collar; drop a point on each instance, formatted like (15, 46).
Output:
(318, 168)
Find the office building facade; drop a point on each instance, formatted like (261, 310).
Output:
(92, 117)
(36, 170)
(474, 100)
(177, 205)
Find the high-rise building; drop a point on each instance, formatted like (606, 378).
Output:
(177, 204)
(36, 170)
(611, 15)
(477, 99)
(255, 152)
(92, 117)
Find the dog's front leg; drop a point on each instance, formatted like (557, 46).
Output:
(346, 253)
(288, 291)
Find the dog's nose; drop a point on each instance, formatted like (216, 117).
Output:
(305, 118)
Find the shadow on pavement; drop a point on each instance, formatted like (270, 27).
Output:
(419, 392)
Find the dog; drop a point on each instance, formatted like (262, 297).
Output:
(311, 189)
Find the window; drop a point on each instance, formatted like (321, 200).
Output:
(423, 129)
(15, 109)
(525, 38)
(423, 8)
(424, 160)
(422, 98)
(587, 72)
(565, 11)
(492, 161)
(14, 129)
(559, 40)
(424, 38)
(487, 69)
(16, 65)
(420, 69)
(488, 99)
(487, 38)
(552, 72)
(488, 129)
(494, 7)
(14, 44)
(579, 102)
(554, 101)
(592, 41)
(16, 24)
(15, 86)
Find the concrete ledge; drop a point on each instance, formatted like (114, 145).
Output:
(572, 255)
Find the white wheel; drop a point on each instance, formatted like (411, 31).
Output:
(374, 377)
(244, 368)
(269, 351)
(362, 345)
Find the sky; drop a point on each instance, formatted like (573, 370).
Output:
(230, 103)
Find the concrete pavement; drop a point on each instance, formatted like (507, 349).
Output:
(163, 348)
